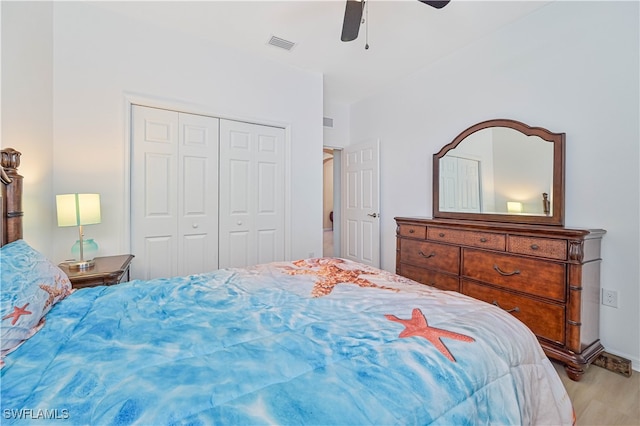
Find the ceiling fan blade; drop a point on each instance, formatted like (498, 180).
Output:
(436, 3)
(352, 19)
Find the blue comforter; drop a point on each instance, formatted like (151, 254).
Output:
(320, 341)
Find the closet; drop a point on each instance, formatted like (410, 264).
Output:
(206, 193)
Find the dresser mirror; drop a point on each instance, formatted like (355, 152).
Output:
(501, 170)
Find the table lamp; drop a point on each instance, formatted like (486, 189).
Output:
(79, 210)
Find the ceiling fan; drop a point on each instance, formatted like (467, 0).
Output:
(353, 16)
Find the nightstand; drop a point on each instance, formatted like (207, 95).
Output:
(108, 270)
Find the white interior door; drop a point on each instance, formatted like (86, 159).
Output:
(174, 193)
(252, 188)
(197, 194)
(361, 203)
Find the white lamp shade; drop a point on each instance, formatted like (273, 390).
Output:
(514, 207)
(78, 209)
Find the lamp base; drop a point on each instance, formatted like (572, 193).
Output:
(81, 264)
(89, 250)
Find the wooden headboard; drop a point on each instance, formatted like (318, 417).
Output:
(11, 205)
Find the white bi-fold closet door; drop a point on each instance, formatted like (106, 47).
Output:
(252, 184)
(206, 193)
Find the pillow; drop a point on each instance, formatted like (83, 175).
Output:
(31, 285)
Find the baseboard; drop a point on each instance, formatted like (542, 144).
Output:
(614, 363)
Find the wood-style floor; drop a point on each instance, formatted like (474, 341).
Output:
(603, 397)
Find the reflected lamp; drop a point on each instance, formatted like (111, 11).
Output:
(514, 207)
(79, 210)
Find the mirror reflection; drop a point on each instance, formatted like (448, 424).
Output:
(498, 170)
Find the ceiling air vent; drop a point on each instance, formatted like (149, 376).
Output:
(281, 43)
(327, 122)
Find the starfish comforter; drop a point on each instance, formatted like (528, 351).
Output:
(317, 341)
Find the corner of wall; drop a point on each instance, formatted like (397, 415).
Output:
(27, 110)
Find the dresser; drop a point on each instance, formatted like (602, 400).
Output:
(546, 276)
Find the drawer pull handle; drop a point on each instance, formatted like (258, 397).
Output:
(483, 240)
(427, 256)
(506, 274)
(441, 234)
(534, 247)
(516, 309)
(411, 231)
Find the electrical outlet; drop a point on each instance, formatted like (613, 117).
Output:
(610, 298)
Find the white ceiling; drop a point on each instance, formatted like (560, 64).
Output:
(404, 35)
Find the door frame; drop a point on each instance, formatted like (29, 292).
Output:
(337, 199)
(131, 99)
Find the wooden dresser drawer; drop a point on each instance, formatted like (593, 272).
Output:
(430, 255)
(546, 320)
(445, 235)
(543, 247)
(486, 240)
(537, 277)
(413, 231)
(430, 277)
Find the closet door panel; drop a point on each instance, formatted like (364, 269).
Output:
(162, 250)
(194, 255)
(235, 239)
(153, 192)
(174, 193)
(158, 170)
(236, 252)
(270, 215)
(251, 193)
(239, 186)
(198, 194)
(267, 180)
(236, 203)
(267, 245)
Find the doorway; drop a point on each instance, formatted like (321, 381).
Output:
(331, 201)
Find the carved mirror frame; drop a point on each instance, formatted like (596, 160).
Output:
(556, 214)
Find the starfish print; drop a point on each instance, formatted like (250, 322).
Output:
(418, 326)
(53, 293)
(329, 275)
(17, 312)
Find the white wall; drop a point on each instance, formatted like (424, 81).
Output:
(570, 67)
(102, 58)
(338, 135)
(27, 83)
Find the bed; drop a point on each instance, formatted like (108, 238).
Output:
(311, 341)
